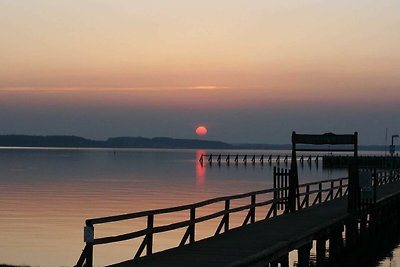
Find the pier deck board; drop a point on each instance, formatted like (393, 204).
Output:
(274, 236)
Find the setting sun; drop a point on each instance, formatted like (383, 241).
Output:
(201, 130)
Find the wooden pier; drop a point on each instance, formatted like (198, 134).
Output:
(365, 208)
(321, 215)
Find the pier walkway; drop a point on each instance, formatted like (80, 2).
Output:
(263, 241)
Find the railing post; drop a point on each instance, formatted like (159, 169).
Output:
(150, 225)
(341, 187)
(304, 255)
(279, 186)
(320, 192)
(192, 225)
(274, 204)
(307, 196)
(332, 186)
(88, 238)
(375, 184)
(287, 191)
(253, 209)
(321, 250)
(386, 177)
(227, 204)
(283, 185)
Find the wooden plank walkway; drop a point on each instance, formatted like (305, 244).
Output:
(260, 240)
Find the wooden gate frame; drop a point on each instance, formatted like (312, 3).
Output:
(324, 139)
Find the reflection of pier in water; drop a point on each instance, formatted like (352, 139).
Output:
(254, 158)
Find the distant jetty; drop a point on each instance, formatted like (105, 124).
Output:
(364, 161)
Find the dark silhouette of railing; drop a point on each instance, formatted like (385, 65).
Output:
(309, 194)
(278, 196)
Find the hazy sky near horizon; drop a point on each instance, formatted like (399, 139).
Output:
(251, 71)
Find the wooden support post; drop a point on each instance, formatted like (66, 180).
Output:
(351, 232)
(287, 190)
(253, 209)
(253, 159)
(372, 224)
(375, 184)
(321, 251)
(363, 227)
(192, 225)
(279, 193)
(149, 236)
(293, 179)
(89, 237)
(335, 243)
(227, 204)
(89, 256)
(304, 256)
(284, 260)
(307, 196)
(274, 204)
(353, 183)
(320, 192)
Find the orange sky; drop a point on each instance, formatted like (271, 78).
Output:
(198, 54)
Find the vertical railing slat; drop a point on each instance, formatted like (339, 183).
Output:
(227, 207)
(192, 225)
(150, 226)
(253, 209)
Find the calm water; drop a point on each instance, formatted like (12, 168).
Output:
(46, 195)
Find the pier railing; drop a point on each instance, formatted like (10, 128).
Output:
(274, 200)
(317, 192)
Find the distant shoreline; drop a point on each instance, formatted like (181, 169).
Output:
(76, 142)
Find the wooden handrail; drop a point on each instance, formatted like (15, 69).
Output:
(139, 214)
(323, 182)
(178, 225)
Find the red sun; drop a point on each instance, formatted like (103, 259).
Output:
(201, 130)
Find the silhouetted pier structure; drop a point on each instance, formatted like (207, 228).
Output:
(253, 158)
(335, 161)
(328, 161)
(364, 208)
(321, 215)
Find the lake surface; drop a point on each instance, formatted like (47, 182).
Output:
(46, 195)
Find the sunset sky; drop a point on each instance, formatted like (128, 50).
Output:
(251, 71)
